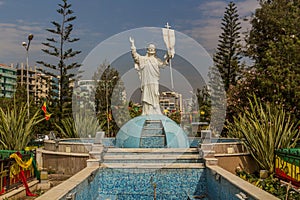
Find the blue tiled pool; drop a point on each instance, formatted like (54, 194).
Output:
(132, 184)
(171, 184)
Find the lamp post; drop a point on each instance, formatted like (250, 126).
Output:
(26, 46)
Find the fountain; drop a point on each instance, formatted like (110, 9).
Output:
(151, 158)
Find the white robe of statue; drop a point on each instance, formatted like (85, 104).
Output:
(148, 69)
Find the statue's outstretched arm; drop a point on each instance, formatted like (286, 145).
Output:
(134, 54)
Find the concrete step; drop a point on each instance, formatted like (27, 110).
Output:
(153, 135)
(152, 132)
(152, 141)
(153, 128)
(211, 161)
(208, 153)
(155, 161)
(152, 121)
(151, 157)
(152, 150)
(153, 165)
(143, 136)
(153, 124)
(207, 146)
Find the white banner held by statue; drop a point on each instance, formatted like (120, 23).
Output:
(169, 39)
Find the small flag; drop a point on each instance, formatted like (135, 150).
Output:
(44, 107)
(109, 116)
(45, 110)
(47, 116)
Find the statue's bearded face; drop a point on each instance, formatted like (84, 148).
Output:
(151, 49)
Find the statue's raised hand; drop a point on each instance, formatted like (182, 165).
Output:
(132, 42)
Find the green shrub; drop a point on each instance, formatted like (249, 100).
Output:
(81, 126)
(16, 130)
(271, 185)
(264, 127)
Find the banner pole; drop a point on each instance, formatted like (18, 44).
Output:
(171, 73)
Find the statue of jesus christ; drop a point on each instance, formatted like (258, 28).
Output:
(148, 69)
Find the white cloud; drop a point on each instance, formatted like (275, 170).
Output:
(11, 38)
(212, 8)
(207, 28)
(206, 34)
(1, 3)
(247, 7)
(13, 34)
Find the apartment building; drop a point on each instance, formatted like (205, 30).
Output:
(170, 101)
(38, 83)
(8, 80)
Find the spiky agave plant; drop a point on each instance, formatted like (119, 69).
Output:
(87, 125)
(16, 129)
(264, 127)
(67, 128)
(81, 126)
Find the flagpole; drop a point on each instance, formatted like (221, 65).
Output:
(171, 73)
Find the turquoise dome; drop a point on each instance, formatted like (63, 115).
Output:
(135, 134)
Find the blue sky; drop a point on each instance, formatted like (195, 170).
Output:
(98, 20)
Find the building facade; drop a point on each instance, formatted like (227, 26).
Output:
(170, 102)
(39, 84)
(8, 81)
(85, 93)
(11, 76)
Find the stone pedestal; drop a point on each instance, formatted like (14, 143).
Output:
(97, 151)
(211, 161)
(44, 176)
(93, 163)
(39, 157)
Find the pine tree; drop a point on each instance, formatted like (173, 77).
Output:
(223, 75)
(63, 73)
(227, 55)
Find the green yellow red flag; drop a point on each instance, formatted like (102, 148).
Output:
(45, 110)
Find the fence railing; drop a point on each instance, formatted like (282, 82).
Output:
(9, 170)
(287, 165)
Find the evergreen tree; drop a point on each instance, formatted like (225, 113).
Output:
(227, 55)
(63, 73)
(226, 66)
(274, 44)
